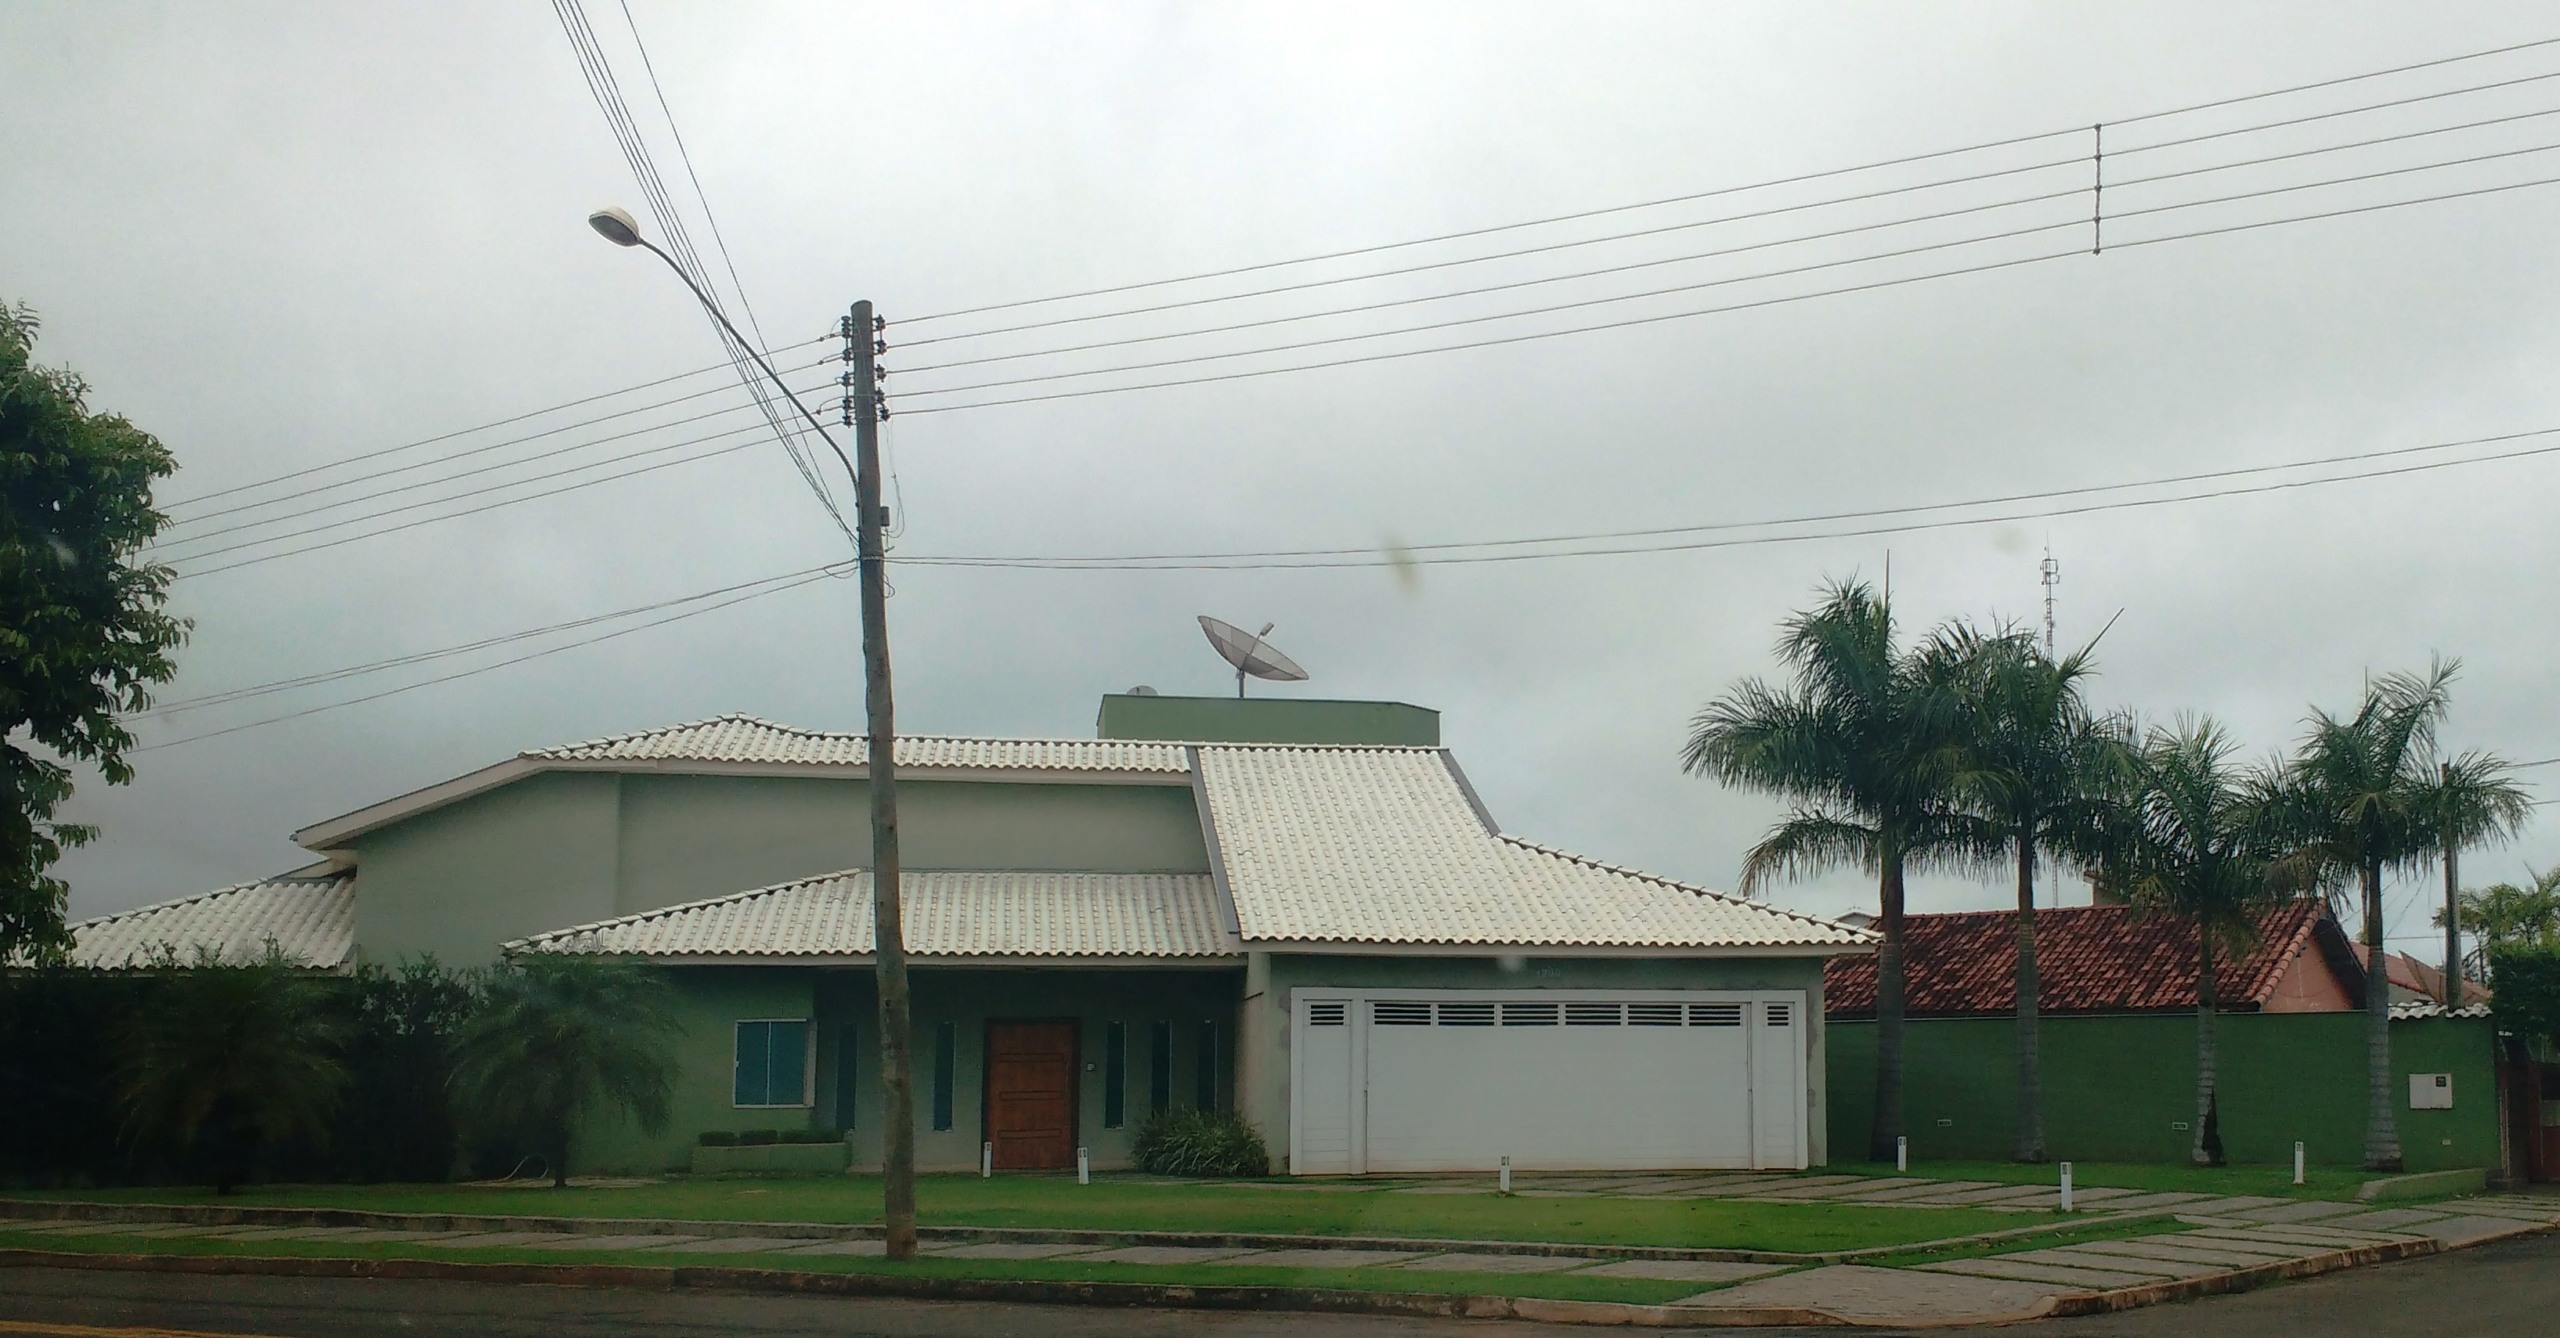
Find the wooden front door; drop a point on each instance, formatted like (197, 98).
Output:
(1031, 1095)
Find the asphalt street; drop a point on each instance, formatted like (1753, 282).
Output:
(2505, 1289)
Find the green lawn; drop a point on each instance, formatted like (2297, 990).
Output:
(1115, 1204)
(1566, 1287)
(2324, 1182)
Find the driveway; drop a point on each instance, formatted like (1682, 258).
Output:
(2508, 1288)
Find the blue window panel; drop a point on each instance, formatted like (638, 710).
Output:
(1115, 1075)
(755, 1063)
(787, 1067)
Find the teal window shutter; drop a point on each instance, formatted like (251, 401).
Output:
(1115, 1075)
(754, 1068)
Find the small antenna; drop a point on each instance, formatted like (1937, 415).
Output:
(2052, 573)
(1250, 654)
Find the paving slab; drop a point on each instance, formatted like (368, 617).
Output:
(1860, 1292)
(1734, 1187)
(81, 1228)
(1486, 1188)
(2460, 1231)
(2296, 1212)
(172, 1230)
(1002, 1249)
(2227, 1206)
(2522, 1212)
(1326, 1258)
(2069, 1277)
(1925, 1189)
(583, 1242)
(272, 1233)
(2106, 1194)
(2097, 1255)
(1462, 1262)
(1857, 1189)
(2241, 1243)
(1996, 1194)
(734, 1245)
(864, 1249)
(484, 1240)
(1161, 1254)
(2140, 1202)
(1680, 1270)
(2388, 1219)
(2321, 1238)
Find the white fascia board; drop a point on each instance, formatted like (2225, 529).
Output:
(328, 835)
(914, 961)
(1316, 948)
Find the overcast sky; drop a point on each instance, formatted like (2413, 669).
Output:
(280, 236)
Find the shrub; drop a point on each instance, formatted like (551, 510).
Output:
(2526, 977)
(1199, 1143)
(757, 1138)
(718, 1138)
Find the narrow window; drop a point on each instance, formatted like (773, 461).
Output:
(1205, 1083)
(754, 1067)
(1115, 1075)
(848, 1045)
(946, 1056)
(1159, 1065)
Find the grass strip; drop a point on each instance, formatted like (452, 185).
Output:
(1551, 1286)
(2275, 1182)
(2042, 1240)
(1138, 1205)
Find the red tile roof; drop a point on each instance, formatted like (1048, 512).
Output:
(2089, 959)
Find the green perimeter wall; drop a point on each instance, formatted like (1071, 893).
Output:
(2115, 1086)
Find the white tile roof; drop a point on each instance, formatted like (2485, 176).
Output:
(746, 739)
(947, 914)
(311, 920)
(1382, 845)
(2425, 1008)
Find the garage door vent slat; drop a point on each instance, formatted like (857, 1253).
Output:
(1778, 1015)
(1528, 1015)
(1466, 1014)
(1593, 1014)
(1387, 1014)
(1653, 1015)
(1328, 1014)
(1715, 1015)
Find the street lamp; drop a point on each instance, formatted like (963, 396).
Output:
(897, 1069)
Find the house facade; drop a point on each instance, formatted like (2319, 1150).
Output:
(1296, 911)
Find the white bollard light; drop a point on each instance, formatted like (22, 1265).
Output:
(986, 1161)
(2297, 1163)
(1506, 1175)
(1084, 1168)
(2066, 1187)
(1901, 1155)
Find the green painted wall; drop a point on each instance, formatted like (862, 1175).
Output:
(842, 1004)
(2116, 1087)
(1266, 720)
(564, 848)
(457, 882)
(1263, 1049)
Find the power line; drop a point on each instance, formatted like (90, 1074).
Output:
(1877, 165)
(2072, 192)
(450, 456)
(1583, 303)
(805, 579)
(227, 696)
(1634, 321)
(509, 421)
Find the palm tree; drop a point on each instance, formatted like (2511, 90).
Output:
(2365, 794)
(2192, 841)
(231, 1060)
(2036, 763)
(2503, 913)
(560, 1038)
(1864, 744)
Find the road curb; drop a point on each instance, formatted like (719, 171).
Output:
(761, 1281)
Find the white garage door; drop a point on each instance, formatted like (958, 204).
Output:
(1433, 1080)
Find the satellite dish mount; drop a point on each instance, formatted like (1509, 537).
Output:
(1250, 654)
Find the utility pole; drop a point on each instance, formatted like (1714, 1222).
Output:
(889, 947)
(2452, 905)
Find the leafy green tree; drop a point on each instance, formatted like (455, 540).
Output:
(2526, 997)
(2192, 840)
(1864, 744)
(2505, 913)
(561, 1039)
(82, 634)
(2366, 794)
(2035, 766)
(398, 1123)
(227, 1061)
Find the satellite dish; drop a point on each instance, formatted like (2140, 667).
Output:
(1250, 654)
